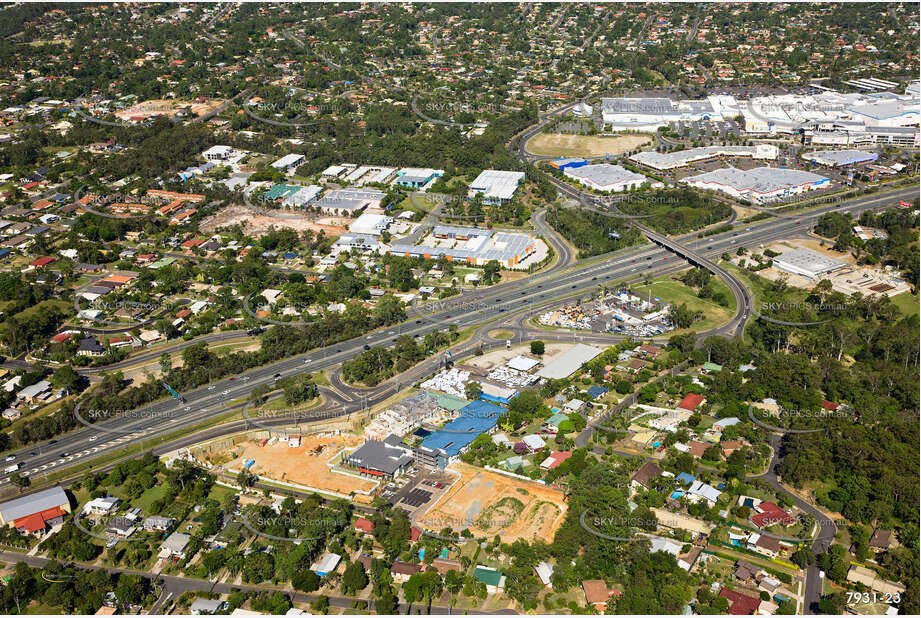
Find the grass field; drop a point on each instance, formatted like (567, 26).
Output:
(561, 145)
(907, 304)
(676, 293)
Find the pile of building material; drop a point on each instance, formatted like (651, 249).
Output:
(451, 381)
(511, 377)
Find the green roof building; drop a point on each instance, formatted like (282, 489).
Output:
(164, 261)
(493, 579)
(449, 402)
(556, 419)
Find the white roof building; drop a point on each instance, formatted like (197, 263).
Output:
(522, 363)
(681, 158)
(372, 224)
(288, 162)
(569, 362)
(218, 153)
(534, 442)
(701, 491)
(807, 263)
(326, 564)
(496, 186)
(760, 184)
(606, 177)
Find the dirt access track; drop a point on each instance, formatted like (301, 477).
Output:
(488, 504)
(304, 465)
(255, 223)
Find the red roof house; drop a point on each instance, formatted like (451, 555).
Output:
(363, 524)
(42, 261)
(691, 401)
(740, 604)
(770, 514)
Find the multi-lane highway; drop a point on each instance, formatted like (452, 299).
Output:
(494, 303)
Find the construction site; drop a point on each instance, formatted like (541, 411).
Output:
(307, 461)
(490, 503)
(865, 279)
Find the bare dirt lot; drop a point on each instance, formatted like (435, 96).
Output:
(254, 222)
(563, 145)
(491, 360)
(488, 503)
(164, 107)
(298, 465)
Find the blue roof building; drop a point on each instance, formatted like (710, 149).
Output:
(596, 391)
(686, 478)
(476, 418)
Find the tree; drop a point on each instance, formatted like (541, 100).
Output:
(166, 363)
(306, 581)
(537, 348)
(354, 579)
(321, 605)
(473, 390)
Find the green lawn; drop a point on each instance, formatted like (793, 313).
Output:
(63, 305)
(907, 303)
(676, 293)
(149, 497)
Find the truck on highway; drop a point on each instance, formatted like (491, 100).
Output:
(13, 468)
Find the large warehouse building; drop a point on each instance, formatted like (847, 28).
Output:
(606, 177)
(569, 362)
(807, 263)
(474, 246)
(865, 116)
(496, 186)
(759, 185)
(648, 114)
(35, 513)
(681, 158)
(839, 158)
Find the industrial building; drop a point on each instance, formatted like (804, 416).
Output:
(496, 186)
(476, 246)
(567, 162)
(35, 513)
(442, 446)
(839, 158)
(569, 362)
(388, 458)
(417, 178)
(648, 114)
(759, 185)
(606, 177)
(807, 263)
(681, 158)
(349, 201)
(288, 163)
(860, 112)
(370, 224)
